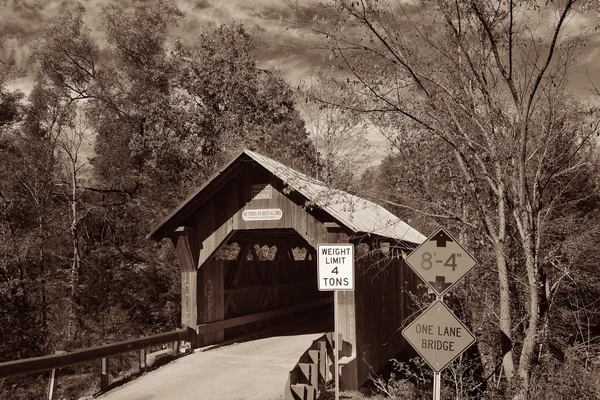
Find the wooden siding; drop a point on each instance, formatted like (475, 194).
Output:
(210, 300)
(382, 286)
(264, 286)
(223, 214)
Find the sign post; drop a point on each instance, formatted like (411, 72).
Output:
(335, 272)
(437, 386)
(437, 335)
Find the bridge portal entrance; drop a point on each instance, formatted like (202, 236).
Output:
(257, 279)
(245, 243)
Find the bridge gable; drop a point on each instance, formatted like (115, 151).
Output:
(254, 200)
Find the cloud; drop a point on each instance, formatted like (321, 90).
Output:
(293, 51)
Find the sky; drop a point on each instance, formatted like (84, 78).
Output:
(22, 22)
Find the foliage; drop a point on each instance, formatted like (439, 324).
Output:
(487, 137)
(339, 136)
(114, 134)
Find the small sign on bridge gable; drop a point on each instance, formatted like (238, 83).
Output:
(335, 266)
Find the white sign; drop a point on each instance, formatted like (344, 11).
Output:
(335, 266)
(438, 336)
(261, 191)
(440, 261)
(267, 214)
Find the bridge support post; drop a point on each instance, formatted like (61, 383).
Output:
(347, 329)
(211, 295)
(186, 248)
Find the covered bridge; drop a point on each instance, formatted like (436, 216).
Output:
(245, 242)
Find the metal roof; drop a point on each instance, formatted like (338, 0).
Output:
(355, 213)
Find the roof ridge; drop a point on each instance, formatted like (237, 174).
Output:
(358, 214)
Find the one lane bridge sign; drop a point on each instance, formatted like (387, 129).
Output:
(335, 267)
(440, 261)
(438, 336)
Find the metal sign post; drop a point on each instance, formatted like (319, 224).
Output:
(336, 347)
(335, 271)
(437, 376)
(437, 385)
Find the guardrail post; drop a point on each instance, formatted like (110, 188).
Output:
(143, 364)
(51, 384)
(104, 375)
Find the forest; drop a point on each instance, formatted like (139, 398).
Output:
(484, 135)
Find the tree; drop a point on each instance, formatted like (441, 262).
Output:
(163, 121)
(227, 100)
(475, 76)
(339, 136)
(11, 107)
(71, 144)
(29, 231)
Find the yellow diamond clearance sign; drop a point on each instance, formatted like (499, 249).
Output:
(440, 261)
(438, 336)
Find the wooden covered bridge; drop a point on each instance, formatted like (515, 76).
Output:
(245, 242)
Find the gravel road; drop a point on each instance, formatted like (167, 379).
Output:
(253, 370)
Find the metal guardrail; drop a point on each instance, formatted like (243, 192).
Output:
(103, 352)
(56, 361)
(44, 363)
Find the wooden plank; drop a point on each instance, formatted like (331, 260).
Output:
(213, 227)
(234, 275)
(377, 335)
(267, 296)
(210, 285)
(314, 375)
(184, 251)
(233, 278)
(142, 360)
(229, 323)
(256, 260)
(52, 384)
(189, 298)
(323, 366)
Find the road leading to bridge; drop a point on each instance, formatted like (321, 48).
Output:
(256, 369)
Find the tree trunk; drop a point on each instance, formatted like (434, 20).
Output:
(75, 265)
(505, 310)
(529, 342)
(42, 269)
